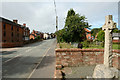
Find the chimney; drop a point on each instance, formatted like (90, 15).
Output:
(15, 21)
(24, 24)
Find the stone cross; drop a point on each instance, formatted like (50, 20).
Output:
(108, 27)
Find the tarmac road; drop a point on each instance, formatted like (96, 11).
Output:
(36, 60)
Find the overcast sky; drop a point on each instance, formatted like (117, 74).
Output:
(40, 15)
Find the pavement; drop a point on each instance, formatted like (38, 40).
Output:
(36, 60)
(79, 72)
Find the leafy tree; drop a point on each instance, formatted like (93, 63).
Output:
(37, 38)
(101, 36)
(75, 27)
(116, 30)
(94, 31)
(71, 12)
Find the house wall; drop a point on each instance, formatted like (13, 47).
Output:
(45, 36)
(76, 57)
(31, 36)
(8, 40)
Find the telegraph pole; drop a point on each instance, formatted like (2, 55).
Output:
(56, 23)
(56, 16)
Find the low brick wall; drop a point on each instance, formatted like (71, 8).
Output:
(76, 57)
(10, 44)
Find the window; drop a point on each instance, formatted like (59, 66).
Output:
(12, 41)
(12, 27)
(18, 35)
(4, 40)
(88, 37)
(17, 29)
(12, 34)
(4, 34)
(4, 26)
(17, 40)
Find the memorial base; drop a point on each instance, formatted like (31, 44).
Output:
(101, 71)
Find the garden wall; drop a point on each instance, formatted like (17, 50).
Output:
(76, 57)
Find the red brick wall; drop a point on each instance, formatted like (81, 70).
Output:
(76, 57)
(10, 44)
(17, 40)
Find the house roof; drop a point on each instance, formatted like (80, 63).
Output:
(12, 23)
(33, 35)
(87, 30)
(9, 22)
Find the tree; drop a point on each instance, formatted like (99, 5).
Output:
(75, 27)
(116, 30)
(94, 31)
(37, 38)
(101, 36)
(71, 12)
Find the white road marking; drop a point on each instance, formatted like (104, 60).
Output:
(11, 59)
(37, 64)
(28, 50)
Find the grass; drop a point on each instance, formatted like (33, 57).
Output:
(65, 45)
(116, 46)
(91, 46)
(95, 47)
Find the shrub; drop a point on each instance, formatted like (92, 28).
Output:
(37, 38)
(86, 43)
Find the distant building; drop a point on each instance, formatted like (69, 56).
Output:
(34, 34)
(26, 33)
(116, 37)
(12, 33)
(45, 36)
(88, 34)
(52, 35)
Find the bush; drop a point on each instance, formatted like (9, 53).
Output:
(86, 43)
(37, 38)
(102, 44)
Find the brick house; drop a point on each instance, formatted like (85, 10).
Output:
(88, 34)
(35, 34)
(11, 33)
(26, 33)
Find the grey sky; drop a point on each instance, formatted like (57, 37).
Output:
(40, 15)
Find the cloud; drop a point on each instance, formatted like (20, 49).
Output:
(41, 15)
(60, 0)
(94, 11)
(38, 16)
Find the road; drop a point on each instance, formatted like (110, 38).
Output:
(36, 60)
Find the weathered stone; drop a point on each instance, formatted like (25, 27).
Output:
(101, 71)
(63, 54)
(58, 63)
(66, 57)
(58, 67)
(108, 27)
(58, 74)
(65, 64)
